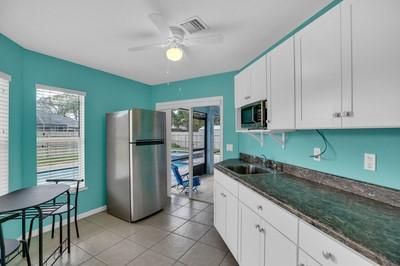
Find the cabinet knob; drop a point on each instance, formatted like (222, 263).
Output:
(257, 226)
(302, 264)
(347, 114)
(261, 230)
(329, 256)
(337, 115)
(247, 97)
(259, 207)
(223, 195)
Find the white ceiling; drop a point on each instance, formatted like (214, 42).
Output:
(97, 33)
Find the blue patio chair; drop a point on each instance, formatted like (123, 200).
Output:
(182, 180)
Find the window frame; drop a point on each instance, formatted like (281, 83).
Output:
(7, 79)
(82, 114)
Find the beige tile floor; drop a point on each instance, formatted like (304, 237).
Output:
(182, 234)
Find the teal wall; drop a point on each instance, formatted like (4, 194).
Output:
(104, 93)
(209, 86)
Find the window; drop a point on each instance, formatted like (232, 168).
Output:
(60, 142)
(4, 92)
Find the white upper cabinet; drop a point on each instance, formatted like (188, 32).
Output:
(251, 83)
(258, 80)
(242, 88)
(280, 87)
(318, 73)
(371, 63)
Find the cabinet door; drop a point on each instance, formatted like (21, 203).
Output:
(249, 237)
(280, 92)
(258, 80)
(219, 209)
(306, 260)
(277, 249)
(231, 237)
(242, 88)
(318, 73)
(371, 58)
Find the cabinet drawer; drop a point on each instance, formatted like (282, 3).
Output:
(281, 219)
(306, 260)
(327, 250)
(227, 182)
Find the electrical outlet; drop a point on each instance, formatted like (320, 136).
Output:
(317, 151)
(370, 161)
(229, 147)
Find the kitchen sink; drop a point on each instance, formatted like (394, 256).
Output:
(248, 169)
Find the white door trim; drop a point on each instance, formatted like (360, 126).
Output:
(190, 103)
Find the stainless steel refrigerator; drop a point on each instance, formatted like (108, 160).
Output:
(136, 163)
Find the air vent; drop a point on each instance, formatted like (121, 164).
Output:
(193, 25)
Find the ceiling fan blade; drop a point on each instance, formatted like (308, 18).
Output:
(147, 47)
(160, 23)
(204, 40)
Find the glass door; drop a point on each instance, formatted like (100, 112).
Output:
(199, 135)
(179, 150)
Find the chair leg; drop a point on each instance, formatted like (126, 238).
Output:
(52, 226)
(30, 231)
(61, 234)
(26, 250)
(76, 223)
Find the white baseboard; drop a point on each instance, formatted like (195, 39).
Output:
(47, 228)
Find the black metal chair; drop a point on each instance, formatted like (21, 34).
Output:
(61, 210)
(9, 248)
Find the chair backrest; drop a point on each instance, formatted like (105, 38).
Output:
(61, 180)
(177, 175)
(4, 219)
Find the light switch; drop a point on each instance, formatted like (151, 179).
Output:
(229, 147)
(370, 161)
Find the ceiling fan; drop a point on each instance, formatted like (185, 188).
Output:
(175, 40)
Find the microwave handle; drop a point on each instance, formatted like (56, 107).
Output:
(252, 115)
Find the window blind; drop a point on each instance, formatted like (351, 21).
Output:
(4, 104)
(60, 145)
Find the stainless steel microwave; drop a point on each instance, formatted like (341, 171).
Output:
(254, 116)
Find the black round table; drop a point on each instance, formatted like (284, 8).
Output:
(34, 198)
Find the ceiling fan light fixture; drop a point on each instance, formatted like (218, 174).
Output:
(174, 53)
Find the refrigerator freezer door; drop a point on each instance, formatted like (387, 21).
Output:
(146, 125)
(148, 179)
(118, 165)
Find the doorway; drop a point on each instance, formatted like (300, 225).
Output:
(194, 144)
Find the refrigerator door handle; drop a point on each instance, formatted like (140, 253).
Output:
(144, 142)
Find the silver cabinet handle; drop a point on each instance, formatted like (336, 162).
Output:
(329, 256)
(347, 114)
(257, 226)
(261, 230)
(259, 207)
(337, 115)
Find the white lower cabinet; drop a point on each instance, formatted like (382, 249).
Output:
(249, 237)
(226, 216)
(307, 260)
(261, 244)
(326, 250)
(260, 233)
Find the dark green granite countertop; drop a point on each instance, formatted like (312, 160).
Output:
(370, 224)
